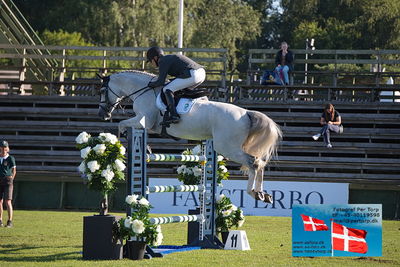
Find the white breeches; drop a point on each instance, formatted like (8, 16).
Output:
(197, 77)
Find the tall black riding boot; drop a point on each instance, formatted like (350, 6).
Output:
(173, 115)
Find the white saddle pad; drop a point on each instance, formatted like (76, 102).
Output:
(184, 105)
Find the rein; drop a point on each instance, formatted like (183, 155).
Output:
(118, 103)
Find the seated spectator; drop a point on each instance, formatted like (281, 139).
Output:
(284, 62)
(331, 122)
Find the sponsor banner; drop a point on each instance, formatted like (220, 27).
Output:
(353, 230)
(285, 195)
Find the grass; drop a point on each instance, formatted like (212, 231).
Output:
(54, 238)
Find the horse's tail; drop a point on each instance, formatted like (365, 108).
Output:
(263, 138)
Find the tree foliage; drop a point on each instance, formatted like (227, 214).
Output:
(233, 24)
(342, 24)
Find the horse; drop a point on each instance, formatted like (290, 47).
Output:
(247, 137)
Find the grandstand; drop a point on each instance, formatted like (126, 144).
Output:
(41, 118)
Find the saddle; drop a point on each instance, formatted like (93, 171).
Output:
(185, 93)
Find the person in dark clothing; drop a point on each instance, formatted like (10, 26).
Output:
(330, 121)
(284, 61)
(7, 175)
(187, 73)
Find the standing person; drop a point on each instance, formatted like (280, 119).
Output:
(8, 171)
(330, 121)
(188, 73)
(284, 62)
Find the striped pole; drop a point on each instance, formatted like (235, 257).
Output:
(175, 157)
(177, 219)
(174, 188)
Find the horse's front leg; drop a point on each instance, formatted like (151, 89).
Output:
(136, 122)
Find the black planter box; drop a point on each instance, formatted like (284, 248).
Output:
(98, 243)
(193, 228)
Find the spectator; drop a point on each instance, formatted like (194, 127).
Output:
(7, 174)
(284, 62)
(331, 122)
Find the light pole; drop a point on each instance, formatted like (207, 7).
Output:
(180, 26)
(309, 44)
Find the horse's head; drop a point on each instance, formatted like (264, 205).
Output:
(109, 99)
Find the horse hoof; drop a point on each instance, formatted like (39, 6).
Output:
(267, 198)
(259, 196)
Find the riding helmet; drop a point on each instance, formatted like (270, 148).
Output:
(154, 51)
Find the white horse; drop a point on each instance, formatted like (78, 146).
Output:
(247, 137)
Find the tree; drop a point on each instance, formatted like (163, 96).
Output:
(342, 24)
(141, 23)
(227, 24)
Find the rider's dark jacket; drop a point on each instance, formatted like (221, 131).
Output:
(178, 66)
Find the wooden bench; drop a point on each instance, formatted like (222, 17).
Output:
(313, 66)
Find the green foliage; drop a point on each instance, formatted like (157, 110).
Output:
(190, 173)
(103, 161)
(226, 23)
(143, 23)
(228, 215)
(342, 24)
(138, 224)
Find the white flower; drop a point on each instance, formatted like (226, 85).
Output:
(223, 169)
(158, 240)
(196, 150)
(188, 171)
(128, 222)
(89, 177)
(220, 158)
(109, 138)
(233, 208)
(138, 226)
(181, 169)
(93, 165)
(241, 222)
(85, 152)
(131, 199)
(122, 150)
(99, 149)
(226, 213)
(144, 202)
(197, 171)
(108, 173)
(220, 197)
(82, 138)
(119, 165)
(82, 167)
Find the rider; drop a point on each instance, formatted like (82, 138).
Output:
(188, 73)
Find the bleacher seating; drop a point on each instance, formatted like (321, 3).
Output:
(41, 131)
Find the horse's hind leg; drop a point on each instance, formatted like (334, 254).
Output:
(255, 182)
(258, 188)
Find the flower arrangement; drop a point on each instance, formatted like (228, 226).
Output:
(138, 225)
(190, 172)
(228, 215)
(103, 162)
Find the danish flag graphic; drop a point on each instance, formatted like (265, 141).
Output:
(348, 239)
(313, 224)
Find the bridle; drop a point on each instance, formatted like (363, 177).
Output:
(108, 106)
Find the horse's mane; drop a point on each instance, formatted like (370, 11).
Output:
(137, 72)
